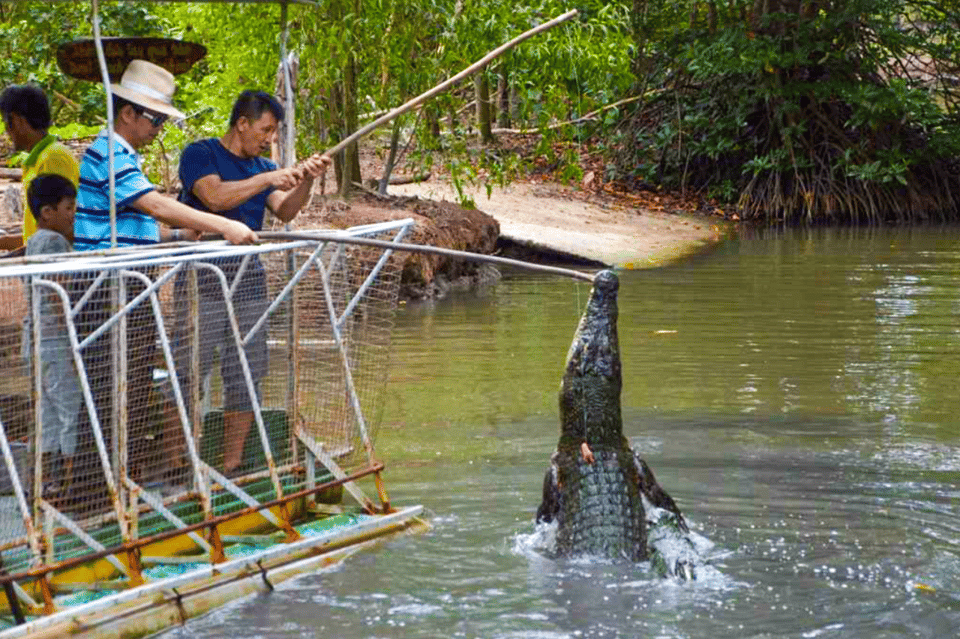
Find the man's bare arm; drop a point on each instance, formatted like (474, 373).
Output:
(178, 235)
(287, 204)
(219, 195)
(173, 213)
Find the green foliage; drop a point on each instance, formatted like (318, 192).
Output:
(74, 131)
(355, 57)
(31, 32)
(786, 109)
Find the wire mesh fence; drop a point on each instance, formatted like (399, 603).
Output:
(146, 391)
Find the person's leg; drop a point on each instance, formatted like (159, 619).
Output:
(236, 427)
(67, 406)
(238, 405)
(143, 455)
(54, 390)
(89, 487)
(49, 435)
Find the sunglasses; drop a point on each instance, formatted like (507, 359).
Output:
(155, 119)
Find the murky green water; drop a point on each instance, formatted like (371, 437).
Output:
(796, 393)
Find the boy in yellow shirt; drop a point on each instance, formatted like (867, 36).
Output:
(26, 115)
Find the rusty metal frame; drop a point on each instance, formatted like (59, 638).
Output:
(82, 535)
(345, 359)
(115, 272)
(374, 272)
(36, 393)
(157, 504)
(121, 412)
(316, 449)
(239, 493)
(75, 345)
(41, 571)
(12, 469)
(282, 295)
(175, 383)
(126, 308)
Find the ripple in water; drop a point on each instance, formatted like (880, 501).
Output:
(539, 548)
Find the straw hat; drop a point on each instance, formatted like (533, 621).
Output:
(148, 85)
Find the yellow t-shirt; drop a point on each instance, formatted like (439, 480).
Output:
(48, 156)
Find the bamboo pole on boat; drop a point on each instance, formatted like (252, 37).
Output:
(446, 84)
(287, 144)
(422, 248)
(102, 60)
(287, 159)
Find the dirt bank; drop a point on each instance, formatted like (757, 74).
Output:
(442, 224)
(559, 221)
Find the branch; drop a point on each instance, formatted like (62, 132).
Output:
(583, 118)
(443, 86)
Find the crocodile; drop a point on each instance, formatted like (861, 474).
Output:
(597, 489)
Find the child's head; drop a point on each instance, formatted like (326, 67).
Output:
(53, 201)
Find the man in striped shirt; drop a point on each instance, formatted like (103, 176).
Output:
(142, 102)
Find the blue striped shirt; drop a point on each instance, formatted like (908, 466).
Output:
(91, 225)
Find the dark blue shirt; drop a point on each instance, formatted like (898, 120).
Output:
(209, 157)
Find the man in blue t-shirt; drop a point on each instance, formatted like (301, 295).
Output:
(228, 177)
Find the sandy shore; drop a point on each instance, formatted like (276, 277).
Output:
(567, 221)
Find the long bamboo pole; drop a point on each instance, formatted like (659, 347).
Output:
(424, 248)
(446, 84)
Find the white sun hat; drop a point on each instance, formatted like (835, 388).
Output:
(148, 85)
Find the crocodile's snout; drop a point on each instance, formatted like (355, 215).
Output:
(606, 282)
(602, 307)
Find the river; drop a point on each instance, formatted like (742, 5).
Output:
(796, 393)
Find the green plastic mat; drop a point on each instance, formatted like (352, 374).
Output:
(233, 551)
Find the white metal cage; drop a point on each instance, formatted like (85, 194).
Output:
(147, 391)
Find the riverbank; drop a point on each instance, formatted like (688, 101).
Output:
(535, 219)
(551, 221)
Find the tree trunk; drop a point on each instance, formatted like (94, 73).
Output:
(432, 137)
(638, 18)
(351, 155)
(482, 88)
(451, 118)
(391, 158)
(334, 102)
(343, 105)
(503, 96)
